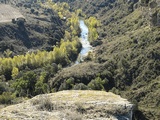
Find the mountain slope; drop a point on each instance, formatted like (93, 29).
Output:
(128, 61)
(42, 29)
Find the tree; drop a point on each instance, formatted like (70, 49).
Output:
(80, 86)
(15, 72)
(41, 88)
(25, 86)
(97, 84)
(32, 10)
(8, 53)
(92, 24)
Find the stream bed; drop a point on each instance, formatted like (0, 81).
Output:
(86, 47)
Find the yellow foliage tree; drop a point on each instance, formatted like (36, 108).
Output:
(15, 72)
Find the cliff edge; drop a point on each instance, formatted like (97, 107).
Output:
(71, 105)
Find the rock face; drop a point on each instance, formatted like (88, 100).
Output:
(71, 105)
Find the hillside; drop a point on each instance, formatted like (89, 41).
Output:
(41, 30)
(38, 55)
(127, 63)
(70, 105)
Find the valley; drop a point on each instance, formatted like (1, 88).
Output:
(38, 56)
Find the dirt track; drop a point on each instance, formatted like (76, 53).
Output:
(7, 13)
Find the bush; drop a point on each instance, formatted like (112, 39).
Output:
(2, 87)
(44, 104)
(115, 91)
(80, 108)
(80, 86)
(32, 10)
(67, 84)
(6, 98)
(13, 21)
(36, 13)
(72, 115)
(98, 84)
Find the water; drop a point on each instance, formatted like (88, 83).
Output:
(86, 47)
(128, 115)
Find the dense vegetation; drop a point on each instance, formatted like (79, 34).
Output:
(28, 74)
(40, 31)
(92, 24)
(127, 63)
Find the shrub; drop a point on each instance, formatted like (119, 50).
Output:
(70, 82)
(6, 98)
(80, 108)
(115, 91)
(32, 10)
(13, 21)
(98, 84)
(25, 85)
(36, 13)
(44, 104)
(67, 84)
(72, 115)
(80, 86)
(2, 87)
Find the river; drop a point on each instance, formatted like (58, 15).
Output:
(86, 47)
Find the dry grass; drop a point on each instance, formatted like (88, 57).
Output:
(43, 103)
(77, 96)
(8, 13)
(72, 115)
(68, 105)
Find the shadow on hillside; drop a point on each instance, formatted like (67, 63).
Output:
(23, 34)
(138, 115)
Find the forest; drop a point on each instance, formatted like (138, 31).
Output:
(28, 75)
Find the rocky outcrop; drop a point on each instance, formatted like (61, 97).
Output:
(71, 105)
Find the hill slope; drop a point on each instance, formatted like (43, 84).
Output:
(41, 30)
(128, 61)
